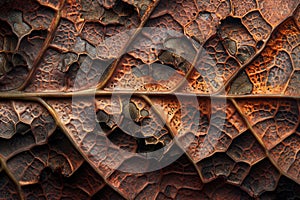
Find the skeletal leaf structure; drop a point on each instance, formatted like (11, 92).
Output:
(149, 99)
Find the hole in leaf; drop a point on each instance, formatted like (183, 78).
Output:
(259, 44)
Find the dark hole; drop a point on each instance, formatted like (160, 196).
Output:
(5, 28)
(104, 127)
(22, 128)
(44, 174)
(143, 147)
(231, 20)
(38, 33)
(18, 59)
(121, 139)
(259, 44)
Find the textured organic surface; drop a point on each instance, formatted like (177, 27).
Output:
(150, 99)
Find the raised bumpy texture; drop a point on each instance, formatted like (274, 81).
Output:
(214, 84)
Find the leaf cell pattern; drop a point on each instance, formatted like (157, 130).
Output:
(149, 99)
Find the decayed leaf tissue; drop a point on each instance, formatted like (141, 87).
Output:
(149, 99)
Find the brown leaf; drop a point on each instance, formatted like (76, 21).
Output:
(8, 189)
(169, 99)
(274, 71)
(83, 184)
(59, 155)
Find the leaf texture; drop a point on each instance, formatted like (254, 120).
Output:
(169, 99)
